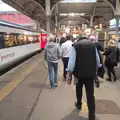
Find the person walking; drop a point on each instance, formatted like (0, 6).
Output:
(111, 59)
(66, 51)
(83, 63)
(52, 55)
(100, 49)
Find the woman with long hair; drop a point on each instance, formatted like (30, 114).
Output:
(111, 59)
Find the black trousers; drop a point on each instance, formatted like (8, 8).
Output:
(89, 86)
(110, 69)
(65, 64)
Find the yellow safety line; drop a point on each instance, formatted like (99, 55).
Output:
(8, 88)
(12, 85)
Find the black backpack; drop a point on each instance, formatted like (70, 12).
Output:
(85, 66)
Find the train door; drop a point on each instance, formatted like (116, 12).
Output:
(43, 40)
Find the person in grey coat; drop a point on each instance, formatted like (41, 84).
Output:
(52, 55)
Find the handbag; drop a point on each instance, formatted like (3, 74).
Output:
(101, 72)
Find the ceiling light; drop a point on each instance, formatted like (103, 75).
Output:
(78, 1)
(70, 22)
(72, 14)
(63, 14)
(82, 14)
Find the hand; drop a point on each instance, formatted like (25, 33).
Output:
(68, 79)
(97, 84)
(100, 65)
(68, 82)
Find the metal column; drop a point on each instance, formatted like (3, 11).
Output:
(117, 30)
(91, 23)
(47, 5)
(56, 17)
(38, 26)
(91, 20)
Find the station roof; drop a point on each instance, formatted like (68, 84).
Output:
(35, 9)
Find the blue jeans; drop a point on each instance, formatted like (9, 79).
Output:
(53, 67)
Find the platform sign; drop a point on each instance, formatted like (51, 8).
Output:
(113, 2)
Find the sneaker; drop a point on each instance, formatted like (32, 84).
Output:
(56, 85)
(51, 87)
(77, 106)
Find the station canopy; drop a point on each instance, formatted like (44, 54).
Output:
(76, 11)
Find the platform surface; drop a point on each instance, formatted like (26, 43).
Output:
(25, 95)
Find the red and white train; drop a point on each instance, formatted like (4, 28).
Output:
(17, 42)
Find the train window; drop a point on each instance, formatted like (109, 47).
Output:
(14, 39)
(10, 40)
(2, 42)
(21, 39)
(30, 39)
(6, 39)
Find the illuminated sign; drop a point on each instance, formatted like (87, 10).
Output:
(113, 23)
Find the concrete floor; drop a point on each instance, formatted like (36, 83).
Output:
(58, 104)
(32, 99)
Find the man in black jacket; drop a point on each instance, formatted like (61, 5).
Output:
(83, 64)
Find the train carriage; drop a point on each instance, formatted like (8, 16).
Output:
(17, 42)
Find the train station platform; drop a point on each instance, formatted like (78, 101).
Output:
(25, 95)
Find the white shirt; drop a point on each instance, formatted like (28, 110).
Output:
(66, 48)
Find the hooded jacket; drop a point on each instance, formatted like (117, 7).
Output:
(52, 52)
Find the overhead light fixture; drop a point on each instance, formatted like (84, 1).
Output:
(70, 22)
(78, 1)
(63, 14)
(71, 14)
(82, 14)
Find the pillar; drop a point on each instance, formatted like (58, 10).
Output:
(91, 23)
(47, 5)
(56, 17)
(38, 25)
(117, 30)
(91, 20)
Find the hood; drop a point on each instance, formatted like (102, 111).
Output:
(51, 45)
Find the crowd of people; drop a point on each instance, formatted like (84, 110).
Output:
(82, 59)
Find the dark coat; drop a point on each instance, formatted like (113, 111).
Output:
(62, 40)
(111, 56)
(99, 49)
